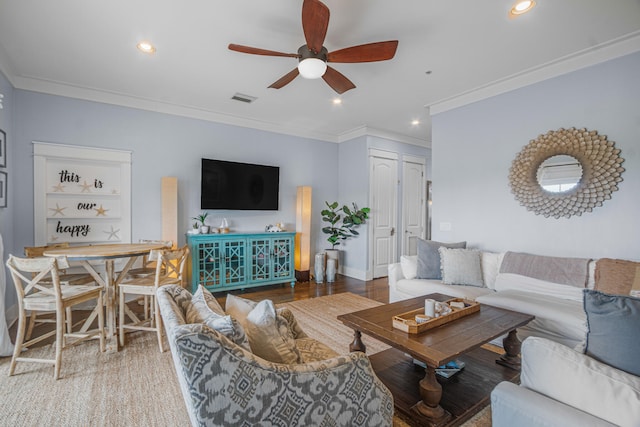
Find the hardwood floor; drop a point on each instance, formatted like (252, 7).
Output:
(377, 290)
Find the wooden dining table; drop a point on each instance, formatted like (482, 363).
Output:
(90, 257)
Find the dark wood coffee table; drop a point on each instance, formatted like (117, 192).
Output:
(423, 399)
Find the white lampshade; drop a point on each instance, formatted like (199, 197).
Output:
(312, 68)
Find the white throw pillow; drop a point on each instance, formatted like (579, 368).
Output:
(461, 267)
(270, 336)
(409, 266)
(491, 267)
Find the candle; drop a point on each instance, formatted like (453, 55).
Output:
(430, 307)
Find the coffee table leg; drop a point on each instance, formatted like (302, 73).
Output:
(357, 344)
(512, 345)
(431, 393)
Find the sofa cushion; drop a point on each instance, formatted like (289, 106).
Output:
(204, 308)
(409, 266)
(292, 323)
(517, 282)
(580, 381)
(559, 319)
(203, 303)
(613, 330)
(420, 287)
(429, 257)
(230, 328)
(269, 334)
(617, 276)
(460, 267)
(568, 271)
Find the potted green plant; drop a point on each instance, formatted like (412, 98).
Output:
(342, 223)
(204, 228)
(195, 229)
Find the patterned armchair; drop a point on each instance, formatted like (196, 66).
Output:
(225, 385)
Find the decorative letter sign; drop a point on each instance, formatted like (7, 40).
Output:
(82, 194)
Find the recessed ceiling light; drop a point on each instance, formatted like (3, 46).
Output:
(146, 47)
(521, 7)
(337, 101)
(415, 122)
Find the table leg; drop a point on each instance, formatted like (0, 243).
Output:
(431, 393)
(109, 301)
(112, 301)
(357, 344)
(512, 345)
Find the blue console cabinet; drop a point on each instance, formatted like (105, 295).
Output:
(241, 260)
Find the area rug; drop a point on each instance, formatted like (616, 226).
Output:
(318, 318)
(137, 386)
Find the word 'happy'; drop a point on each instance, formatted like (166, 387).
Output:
(73, 230)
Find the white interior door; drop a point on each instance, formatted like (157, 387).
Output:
(384, 200)
(413, 203)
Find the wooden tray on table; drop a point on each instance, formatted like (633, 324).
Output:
(406, 321)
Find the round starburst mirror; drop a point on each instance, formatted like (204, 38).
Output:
(566, 172)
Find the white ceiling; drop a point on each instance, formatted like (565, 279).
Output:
(86, 49)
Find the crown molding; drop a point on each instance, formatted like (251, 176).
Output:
(119, 99)
(597, 54)
(123, 100)
(369, 131)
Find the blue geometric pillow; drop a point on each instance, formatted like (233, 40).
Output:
(613, 335)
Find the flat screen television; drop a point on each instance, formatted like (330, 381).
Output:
(239, 186)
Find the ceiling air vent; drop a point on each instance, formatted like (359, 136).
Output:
(243, 98)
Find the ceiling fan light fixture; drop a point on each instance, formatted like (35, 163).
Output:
(312, 68)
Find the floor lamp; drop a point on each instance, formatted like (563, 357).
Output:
(303, 233)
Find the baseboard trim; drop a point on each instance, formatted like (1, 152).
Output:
(353, 272)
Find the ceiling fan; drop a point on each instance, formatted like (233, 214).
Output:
(313, 56)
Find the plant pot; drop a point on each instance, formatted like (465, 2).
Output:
(204, 229)
(333, 254)
(194, 231)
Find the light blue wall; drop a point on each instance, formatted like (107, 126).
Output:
(7, 214)
(353, 186)
(163, 145)
(473, 147)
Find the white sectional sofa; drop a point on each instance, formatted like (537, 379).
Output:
(557, 307)
(549, 288)
(579, 355)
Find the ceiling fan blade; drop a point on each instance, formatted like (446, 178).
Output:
(380, 51)
(257, 51)
(337, 81)
(286, 79)
(315, 21)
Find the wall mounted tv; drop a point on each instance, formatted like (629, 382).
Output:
(239, 186)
